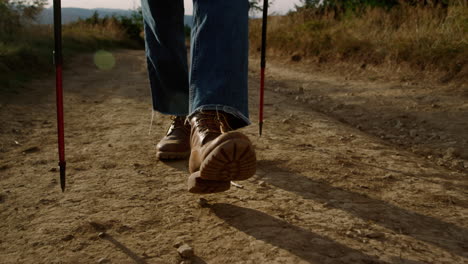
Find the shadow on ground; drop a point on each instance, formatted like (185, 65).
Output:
(308, 246)
(444, 235)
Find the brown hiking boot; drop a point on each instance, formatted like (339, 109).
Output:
(176, 143)
(218, 156)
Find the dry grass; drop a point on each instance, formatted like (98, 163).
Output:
(28, 54)
(426, 39)
(100, 34)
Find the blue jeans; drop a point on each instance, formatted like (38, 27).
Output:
(218, 74)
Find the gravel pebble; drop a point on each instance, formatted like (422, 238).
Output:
(451, 153)
(203, 202)
(68, 238)
(375, 235)
(103, 260)
(185, 251)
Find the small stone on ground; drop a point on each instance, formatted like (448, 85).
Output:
(185, 251)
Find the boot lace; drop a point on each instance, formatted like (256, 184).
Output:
(211, 124)
(178, 122)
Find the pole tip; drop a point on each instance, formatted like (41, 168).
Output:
(62, 175)
(260, 128)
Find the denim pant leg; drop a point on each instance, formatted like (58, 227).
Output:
(219, 58)
(166, 55)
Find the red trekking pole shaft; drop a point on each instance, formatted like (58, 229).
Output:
(58, 60)
(263, 65)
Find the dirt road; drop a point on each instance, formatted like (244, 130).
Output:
(349, 172)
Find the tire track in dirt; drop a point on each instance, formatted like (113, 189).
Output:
(324, 192)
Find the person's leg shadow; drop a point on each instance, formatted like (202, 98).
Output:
(445, 235)
(308, 246)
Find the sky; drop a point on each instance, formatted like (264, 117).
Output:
(279, 6)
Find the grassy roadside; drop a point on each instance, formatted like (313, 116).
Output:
(422, 39)
(29, 53)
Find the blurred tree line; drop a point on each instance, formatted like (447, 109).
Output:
(14, 14)
(18, 14)
(257, 5)
(132, 25)
(356, 6)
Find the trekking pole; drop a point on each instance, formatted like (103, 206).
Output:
(263, 65)
(58, 61)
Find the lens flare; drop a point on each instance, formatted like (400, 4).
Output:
(104, 60)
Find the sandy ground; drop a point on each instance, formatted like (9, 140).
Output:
(349, 171)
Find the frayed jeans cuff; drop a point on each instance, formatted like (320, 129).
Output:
(171, 113)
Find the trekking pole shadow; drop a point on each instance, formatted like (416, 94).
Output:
(137, 259)
(197, 260)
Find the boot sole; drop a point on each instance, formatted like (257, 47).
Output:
(172, 155)
(232, 160)
(201, 186)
